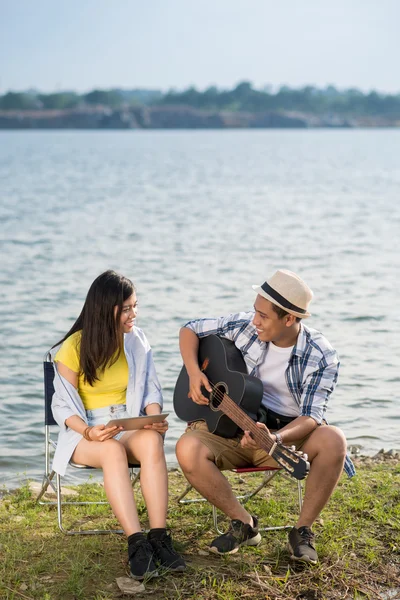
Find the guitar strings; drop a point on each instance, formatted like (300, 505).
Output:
(239, 413)
(264, 435)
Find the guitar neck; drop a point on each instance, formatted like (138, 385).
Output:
(242, 420)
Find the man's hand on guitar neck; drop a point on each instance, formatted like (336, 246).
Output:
(197, 380)
(247, 440)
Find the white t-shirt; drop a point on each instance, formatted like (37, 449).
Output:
(276, 394)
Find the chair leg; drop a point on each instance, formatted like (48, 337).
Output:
(135, 477)
(300, 494)
(215, 520)
(268, 476)
(300, 502)
(78, 531)
(47, 481)
(191, 500)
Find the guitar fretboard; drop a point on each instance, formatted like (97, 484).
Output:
(242, 420)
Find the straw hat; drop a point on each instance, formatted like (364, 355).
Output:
(288, 291)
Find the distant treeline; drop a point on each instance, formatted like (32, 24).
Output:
(33, 100)
(244, 97)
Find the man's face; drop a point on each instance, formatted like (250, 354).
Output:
(270, 328)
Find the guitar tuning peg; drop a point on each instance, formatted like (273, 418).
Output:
(305, 456)
(293, 448)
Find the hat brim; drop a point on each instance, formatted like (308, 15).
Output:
(260, 291)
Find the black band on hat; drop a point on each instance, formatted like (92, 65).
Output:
(271, 292)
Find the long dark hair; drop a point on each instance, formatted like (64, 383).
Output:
(101, 343)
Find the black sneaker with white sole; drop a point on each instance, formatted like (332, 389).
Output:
(302, 545)
(238, 534)
(141, 557)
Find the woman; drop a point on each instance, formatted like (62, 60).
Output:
(104, 370)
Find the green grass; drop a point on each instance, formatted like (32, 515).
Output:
(358, 541)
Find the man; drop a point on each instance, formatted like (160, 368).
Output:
(299, 369)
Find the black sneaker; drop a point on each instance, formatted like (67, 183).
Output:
(164, 553)
(238, 534)
(141, 559)
(301, 545)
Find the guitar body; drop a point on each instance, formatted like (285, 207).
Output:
(224, 367)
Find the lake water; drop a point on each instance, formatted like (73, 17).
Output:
(195, 218)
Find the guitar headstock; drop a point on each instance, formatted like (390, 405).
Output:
(291, 461)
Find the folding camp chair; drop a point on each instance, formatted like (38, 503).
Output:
(50, 445)
(269, 474)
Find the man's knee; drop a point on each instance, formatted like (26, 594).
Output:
(337, 440)
(332, 442)
(328, 443)
(190, 452)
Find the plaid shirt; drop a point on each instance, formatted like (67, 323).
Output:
(313, 365)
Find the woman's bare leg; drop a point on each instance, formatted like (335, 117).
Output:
(111, 456)
(147, 447)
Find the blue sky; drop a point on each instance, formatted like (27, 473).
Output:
(86, 44)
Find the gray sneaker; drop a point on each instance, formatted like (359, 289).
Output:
(301, 545)
(238, 534)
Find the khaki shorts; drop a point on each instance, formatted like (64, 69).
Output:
(228, 453)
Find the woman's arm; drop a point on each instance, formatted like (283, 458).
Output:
(155, 409)
(98, 433)
(74, 422)
(68, 374)
(152, 400)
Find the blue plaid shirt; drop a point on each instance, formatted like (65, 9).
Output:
(313, 365)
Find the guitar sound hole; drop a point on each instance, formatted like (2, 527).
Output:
(217, 395)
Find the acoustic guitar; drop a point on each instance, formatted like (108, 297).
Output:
(233, 402)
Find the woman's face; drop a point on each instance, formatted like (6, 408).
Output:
(129, 313)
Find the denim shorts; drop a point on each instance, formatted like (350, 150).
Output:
(101, 416)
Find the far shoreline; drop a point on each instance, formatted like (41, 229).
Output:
(182, 117)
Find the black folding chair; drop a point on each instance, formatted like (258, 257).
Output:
(50, 446)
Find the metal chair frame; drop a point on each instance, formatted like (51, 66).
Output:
(269, 474)
(48, 477)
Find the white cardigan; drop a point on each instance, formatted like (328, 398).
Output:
(143, 389)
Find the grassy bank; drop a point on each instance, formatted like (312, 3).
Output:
(358, 540)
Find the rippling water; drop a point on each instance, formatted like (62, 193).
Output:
(195, 218)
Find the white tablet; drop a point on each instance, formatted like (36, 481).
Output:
(137, 422)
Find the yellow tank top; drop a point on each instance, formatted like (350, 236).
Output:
(111, 386)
